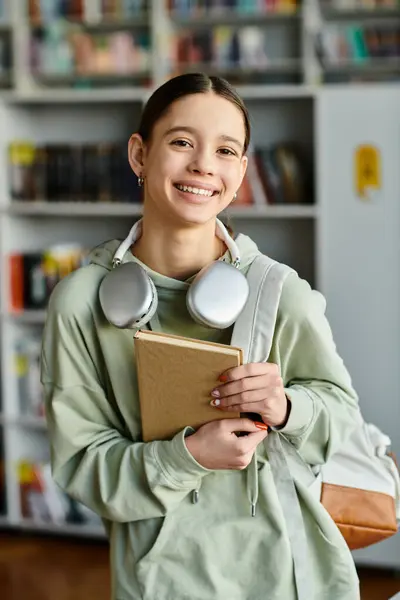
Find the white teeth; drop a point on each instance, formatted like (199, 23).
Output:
(193, 190)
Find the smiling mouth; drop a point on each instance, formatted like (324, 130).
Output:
(197, 191)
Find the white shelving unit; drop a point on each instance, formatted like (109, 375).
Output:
(295, 234)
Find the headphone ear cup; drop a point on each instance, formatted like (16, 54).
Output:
(217, 295)
(153, 306)
(128, 296)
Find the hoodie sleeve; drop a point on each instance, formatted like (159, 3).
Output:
(323, 402)
(93, 458)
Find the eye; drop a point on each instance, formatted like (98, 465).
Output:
(181, 143)
(227, 152)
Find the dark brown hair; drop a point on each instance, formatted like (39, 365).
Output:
(185, 85)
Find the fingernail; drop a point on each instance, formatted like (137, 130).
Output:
(215, 402)
(223, 378)
(262, 426)
(216, 393)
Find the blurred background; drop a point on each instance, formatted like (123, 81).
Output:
(322, 193)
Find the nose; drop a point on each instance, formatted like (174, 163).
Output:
(203, 163)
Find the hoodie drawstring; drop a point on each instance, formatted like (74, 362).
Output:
(252, 483)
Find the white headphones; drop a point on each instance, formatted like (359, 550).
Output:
(215, 298)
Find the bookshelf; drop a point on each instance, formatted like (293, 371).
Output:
(286, 102)
(358, 41)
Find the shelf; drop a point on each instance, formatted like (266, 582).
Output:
(26, 317)
(141, 94)
(373, 15)
(279, 66)
(24, 422)
(264, 92)
(85, 96)
(86, 531)
(72, 209)
(273, 212)
(261, 19)
(369, 66)
(98, 209)
(104, 25)
(86, 79)
(62, 529)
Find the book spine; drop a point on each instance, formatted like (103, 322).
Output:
(92, 11)
(16, 271)
(21, 172)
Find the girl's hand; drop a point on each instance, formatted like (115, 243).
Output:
(253, 388)
(215, 445)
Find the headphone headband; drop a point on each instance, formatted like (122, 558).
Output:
(136, 231)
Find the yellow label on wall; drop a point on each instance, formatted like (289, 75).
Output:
(367, 170)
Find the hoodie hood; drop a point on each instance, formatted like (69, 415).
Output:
(103, 254)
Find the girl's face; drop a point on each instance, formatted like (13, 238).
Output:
(194, 164)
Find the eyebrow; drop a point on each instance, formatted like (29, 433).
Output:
(225, 138)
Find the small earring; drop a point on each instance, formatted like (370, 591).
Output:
(140, 181)
(234, 196)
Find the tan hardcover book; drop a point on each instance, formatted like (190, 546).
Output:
(176, 376)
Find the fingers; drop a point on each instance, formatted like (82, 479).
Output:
(250, 442)
(243, 385)
(215, 445)
(249, 370)
(236, 400)
(240, 401)
(260, 408)
(244, 425)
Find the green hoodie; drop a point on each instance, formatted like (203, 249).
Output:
(163, 545)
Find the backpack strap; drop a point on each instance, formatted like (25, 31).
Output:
(254, 329)
(254, 332)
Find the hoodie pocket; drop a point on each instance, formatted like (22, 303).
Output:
(216, 549)
(161, 539)
(331, 557)
(152, 569)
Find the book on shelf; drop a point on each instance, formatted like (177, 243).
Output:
(97, 172)
(26, 358)
(90, 11)
(33, 275)
(361, 5)
(278, 174)
(43, 502)
(69, 51)
(5, 58)
(175, 378)
(285, 173)
(194, 8)
(241, 54)
(221, 47)
(358, 44)
(62, 47)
